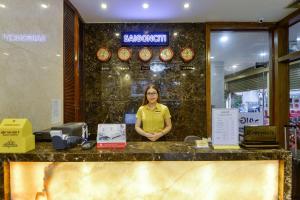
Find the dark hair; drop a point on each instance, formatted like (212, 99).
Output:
(145, 100)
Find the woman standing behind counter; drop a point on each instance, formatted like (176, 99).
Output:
(154, 117)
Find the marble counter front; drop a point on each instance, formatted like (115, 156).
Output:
(157, 151)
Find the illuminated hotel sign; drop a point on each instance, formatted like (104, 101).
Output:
(145, 39)
(11, 37)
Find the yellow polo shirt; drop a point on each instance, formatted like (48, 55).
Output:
(153, 121)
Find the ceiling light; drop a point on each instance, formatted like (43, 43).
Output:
(263, 54)
(175, 33)
(145, 5)
(2, 6)
(44, 5)
(224, 39)
(186, 5)
(7, 54)
(117, 34)
(298, 39)
(212, 57)
(127, 76)
(234, 66)
(183, 74)
(103, 6)
(58, 55)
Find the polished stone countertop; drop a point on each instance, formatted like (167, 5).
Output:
(144, 151)
(150, 151)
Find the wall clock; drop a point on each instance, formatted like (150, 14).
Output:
(103, 54)
(124, 53)
(145, 54)
(166, 54)
(187, 54)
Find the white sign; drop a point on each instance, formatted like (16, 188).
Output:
(225, 126)
(55, 111)
(251, 118)
(11, 37)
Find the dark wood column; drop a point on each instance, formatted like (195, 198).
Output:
(76, 70)
(281, 82)
(72, 103)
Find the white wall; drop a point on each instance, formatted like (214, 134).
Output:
(31, 73)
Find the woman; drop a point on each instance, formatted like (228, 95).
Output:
(154, 117)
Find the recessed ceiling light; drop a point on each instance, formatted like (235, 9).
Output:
(212, 57)
(117, 34)
(183, 74)
(2, 5)
(58, 55)
(186, 5)
(44, 5)
(103, 6)
(234, 66)
(224, 39)
(263, 54)
(7, 54)
(298, 39)
(127, 76)
(175, 33)
(145, 5)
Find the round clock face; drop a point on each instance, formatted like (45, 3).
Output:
(124, 54)
(145, 54)
(187, 54)
(166, 54)
(103, 54)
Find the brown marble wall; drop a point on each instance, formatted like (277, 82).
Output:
(115, 88)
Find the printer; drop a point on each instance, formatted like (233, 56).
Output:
(70, 129)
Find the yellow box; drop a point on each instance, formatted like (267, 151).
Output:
(16, 136)
(17, 144)
(15, 127)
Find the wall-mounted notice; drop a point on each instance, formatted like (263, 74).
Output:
(55, 111)
(225, 127)
(145, 67)
(187, 68)
(251, 119)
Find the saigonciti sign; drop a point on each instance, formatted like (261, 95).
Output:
(145, 39)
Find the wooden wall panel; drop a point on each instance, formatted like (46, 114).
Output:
(281, 82)
(69, 92)
(72, 81)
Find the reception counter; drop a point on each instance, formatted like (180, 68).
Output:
(148, 170)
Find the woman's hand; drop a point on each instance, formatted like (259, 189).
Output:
(155, 136)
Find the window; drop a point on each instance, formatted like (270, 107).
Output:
(294, 77)
(294, 38)
(240, 73)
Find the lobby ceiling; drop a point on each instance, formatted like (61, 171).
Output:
(168, 11)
